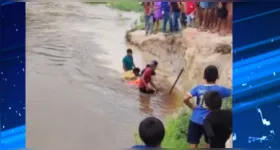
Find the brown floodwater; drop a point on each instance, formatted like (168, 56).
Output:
(75, 96)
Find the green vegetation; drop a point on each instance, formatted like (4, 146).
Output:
(126, 5)
(176, 129)
(227, 103)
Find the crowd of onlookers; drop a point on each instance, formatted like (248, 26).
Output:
(215, 17)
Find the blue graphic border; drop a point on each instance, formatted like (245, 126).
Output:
(256, 75)
(12, 74)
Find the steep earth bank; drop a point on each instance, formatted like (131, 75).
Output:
(191, 50)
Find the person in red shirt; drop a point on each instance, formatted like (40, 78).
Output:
(190, 12)
(148, 13)
(146, 79)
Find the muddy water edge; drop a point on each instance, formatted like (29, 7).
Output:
(75, 97)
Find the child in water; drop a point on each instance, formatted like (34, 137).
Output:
(132, 74)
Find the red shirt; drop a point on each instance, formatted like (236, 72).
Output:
(190, 6)
(147, 77)
(147, 7)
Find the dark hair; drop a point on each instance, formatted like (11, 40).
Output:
(151, 131)
(128, 51)
(154, 63)
(213, 100)
(136, 71)
(211, 73)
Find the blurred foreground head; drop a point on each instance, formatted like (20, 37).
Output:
(151, 131)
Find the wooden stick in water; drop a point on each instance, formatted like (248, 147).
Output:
(176, 80)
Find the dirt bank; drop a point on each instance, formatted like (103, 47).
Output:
(191, 50)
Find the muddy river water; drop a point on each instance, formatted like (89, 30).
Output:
(75, 96)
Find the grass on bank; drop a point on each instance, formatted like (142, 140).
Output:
(123, 5)
(126, 5)
(176, 129)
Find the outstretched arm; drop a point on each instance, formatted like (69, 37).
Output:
(153, 84)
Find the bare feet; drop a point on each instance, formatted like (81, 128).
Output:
(222, 33)
(199, 28)
(229, 31)
(215, 30)
(203, 29)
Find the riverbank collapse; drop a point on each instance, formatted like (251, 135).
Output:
(191, 50)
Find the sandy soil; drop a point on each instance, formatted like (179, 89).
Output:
(191, 50)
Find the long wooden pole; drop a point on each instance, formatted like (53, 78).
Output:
(179, 75)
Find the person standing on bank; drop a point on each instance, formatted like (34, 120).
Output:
(222, 14)
(157, 15)
(183, 14)
(199, 110)
(166, 12)
(175, 9)
(146, 79)
(148, 12)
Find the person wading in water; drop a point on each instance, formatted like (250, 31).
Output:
(146, 79)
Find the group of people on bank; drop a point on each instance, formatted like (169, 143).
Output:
(215, 17)
(207, 119)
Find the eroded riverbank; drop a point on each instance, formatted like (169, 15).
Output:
(191, 50)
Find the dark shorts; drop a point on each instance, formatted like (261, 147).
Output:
(197, 4)
(183, 19)
(222, 12)
(144, 90)
(195, 133)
